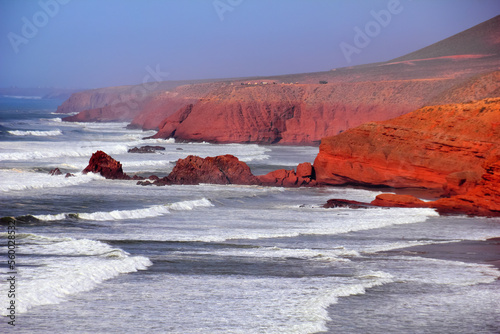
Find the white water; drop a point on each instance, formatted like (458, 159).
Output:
(207, 258)
(36, 133)
(153, 211)
(76, 265)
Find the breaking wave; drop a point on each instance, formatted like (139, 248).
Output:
(152, 211)
(64, 267)
(48, 133)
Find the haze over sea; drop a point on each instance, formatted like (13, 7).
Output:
(109, 256)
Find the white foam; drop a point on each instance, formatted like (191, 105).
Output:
(225, 223)
(335, 254)
(76, 265)
(190, 205)
(149, 212)
(14, 180)
(153, 211)
(252, 304)
(436, 271)
(48, 133)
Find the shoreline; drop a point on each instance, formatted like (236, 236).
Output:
(469, 251)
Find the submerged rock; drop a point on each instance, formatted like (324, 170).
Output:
(55, 171)
(344, 203)
(146, 149)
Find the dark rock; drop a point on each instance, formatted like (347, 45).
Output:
(146, 149)
(344, 203)
(55, 171)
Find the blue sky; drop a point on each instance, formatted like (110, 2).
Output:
(99, 43)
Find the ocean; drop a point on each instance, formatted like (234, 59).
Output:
(109, 256)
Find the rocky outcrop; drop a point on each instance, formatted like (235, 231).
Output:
(105, 165)
(344, 203)
(438, 148)
(146, 149)
(55, 171)
(304, 177)
(399, 201)
(224, 169)
(482, 200)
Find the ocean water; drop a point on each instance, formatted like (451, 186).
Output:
(108, 256)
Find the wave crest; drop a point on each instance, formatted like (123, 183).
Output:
(47, 133)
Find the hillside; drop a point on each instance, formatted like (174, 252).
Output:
(480, 40)
(297, 109)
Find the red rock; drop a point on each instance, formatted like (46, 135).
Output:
(69, 175)
(439, 148)
(167, 103)
(225, 169)
(105, 165)
(400, 201)
(305, 170)
(288, 178)
(344, 203)
(55, 171)
(292, 114)
(483, 200)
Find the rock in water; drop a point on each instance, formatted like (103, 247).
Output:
(105, 165)
(223, 169)
(146, 149)
(55, 171)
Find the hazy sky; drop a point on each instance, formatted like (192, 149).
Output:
(97, 43)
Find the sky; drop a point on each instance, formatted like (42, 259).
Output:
(99, 43)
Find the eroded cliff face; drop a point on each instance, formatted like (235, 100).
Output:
(439, 148)
(164, 104)
(294, 113)
(94, 99)
(482, 200)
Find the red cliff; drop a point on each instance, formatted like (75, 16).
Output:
(439, 148)
(482, 200)
(293, 113)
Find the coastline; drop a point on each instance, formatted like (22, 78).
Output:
(469, 251)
